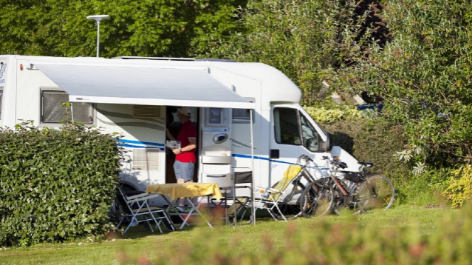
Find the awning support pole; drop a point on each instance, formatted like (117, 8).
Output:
(252, 169)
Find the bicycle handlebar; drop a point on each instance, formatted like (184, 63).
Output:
(336, 162)
(304, 157)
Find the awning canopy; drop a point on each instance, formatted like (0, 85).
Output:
(142, 86)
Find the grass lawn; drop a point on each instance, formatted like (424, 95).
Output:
(136, 242)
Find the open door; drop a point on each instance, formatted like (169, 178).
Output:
(174, 125)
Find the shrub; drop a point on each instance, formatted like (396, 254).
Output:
(55, 185)
(375, 140)
(460, 186)
(322, 242)
(330, 114)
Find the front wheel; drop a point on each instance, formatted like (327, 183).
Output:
(316, 203)
(377, 192)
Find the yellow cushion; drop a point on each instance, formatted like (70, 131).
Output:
(291, 172)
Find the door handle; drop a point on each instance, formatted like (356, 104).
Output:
(274, 153)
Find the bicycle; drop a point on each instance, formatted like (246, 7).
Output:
(328, 194)
(347, 192)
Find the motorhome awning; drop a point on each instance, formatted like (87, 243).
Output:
(142, 86)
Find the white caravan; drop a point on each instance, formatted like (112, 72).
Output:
(136, 97)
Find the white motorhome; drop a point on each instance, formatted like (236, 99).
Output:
(136, 97)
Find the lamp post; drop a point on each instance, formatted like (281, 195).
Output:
(98, 18)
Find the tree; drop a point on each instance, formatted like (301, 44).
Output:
(175, 28)
(307, 39)
(424, 74)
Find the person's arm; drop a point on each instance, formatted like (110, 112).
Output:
(188, 148)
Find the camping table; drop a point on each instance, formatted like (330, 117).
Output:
(187, 191)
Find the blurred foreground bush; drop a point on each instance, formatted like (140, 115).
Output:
(321, 242)
(55, 184)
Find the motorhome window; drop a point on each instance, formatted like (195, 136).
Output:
(146, 111)
(146, 159)
(310, 136)
(287, 129)
(215, 116)
(242, 116)
(52, 112)
(1, 96)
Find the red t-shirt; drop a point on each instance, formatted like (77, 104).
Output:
(187, 131)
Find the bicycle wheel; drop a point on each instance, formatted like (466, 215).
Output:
(346, 204)
(315, 204)
(377, 192)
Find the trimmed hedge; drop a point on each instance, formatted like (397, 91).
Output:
(55, 185)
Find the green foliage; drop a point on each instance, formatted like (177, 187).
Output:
(423, 73)
(307, 39)
(335, 113)
(424, 189)
(177, 28)
(376, 140)
(381, 141)
(322, 242)
(55, 185)
(459, 190)
(292, 36)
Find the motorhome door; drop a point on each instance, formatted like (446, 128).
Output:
(294, 133)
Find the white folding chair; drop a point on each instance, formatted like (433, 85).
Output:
(136, 209)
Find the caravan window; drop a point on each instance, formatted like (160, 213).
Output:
(1, 100)
(287, 129)
(310, 136)
(52, 112)
(292, 127)
(242, 116)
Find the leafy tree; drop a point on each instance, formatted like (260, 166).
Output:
(307, 39)
(424, 74)
(177, 28)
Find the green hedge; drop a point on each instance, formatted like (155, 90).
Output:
(371, 139)
(55, 185)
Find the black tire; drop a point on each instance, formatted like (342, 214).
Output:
(315, 204)
(346, 205)
(377, 192)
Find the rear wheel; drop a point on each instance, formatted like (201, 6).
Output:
(314, 204)
(346, 205)
(377, 192)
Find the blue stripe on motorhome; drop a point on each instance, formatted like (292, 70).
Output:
(139, 146)
(272, 160)
(139, 142)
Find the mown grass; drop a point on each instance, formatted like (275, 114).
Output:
(144, 247)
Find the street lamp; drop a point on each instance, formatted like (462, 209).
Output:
(97, 18)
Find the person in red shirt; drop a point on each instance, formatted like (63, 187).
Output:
(185, 155)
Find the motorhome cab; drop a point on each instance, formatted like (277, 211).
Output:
(247, 115)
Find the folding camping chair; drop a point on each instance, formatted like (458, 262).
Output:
(136, 209)
(271, 197)
(236, 205)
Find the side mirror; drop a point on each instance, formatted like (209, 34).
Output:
(328, 144)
